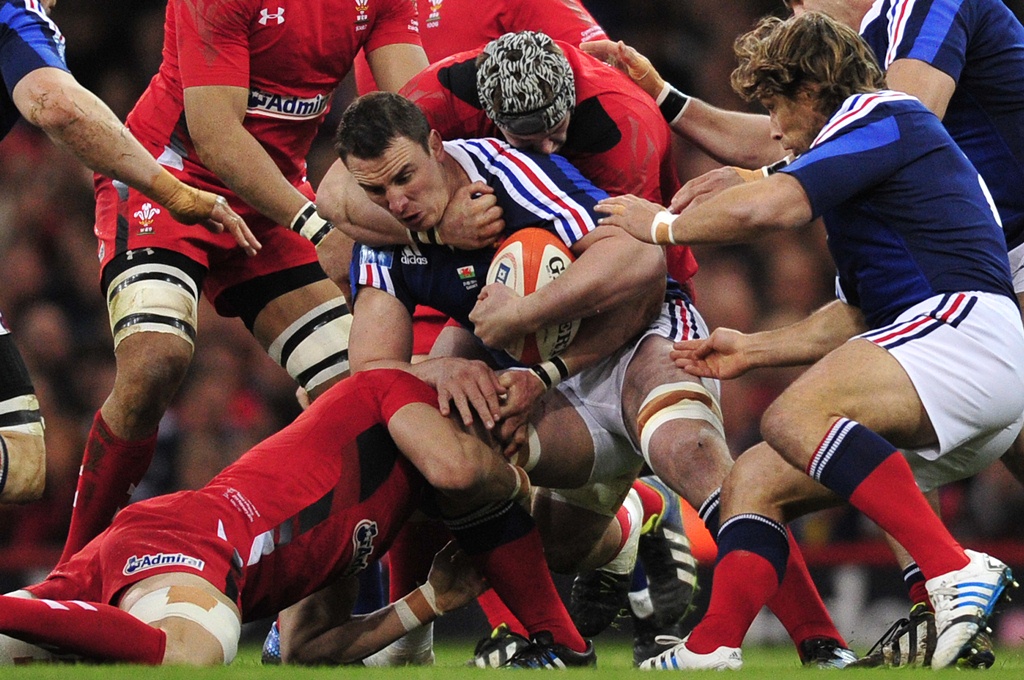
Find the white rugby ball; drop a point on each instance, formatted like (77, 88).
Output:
(527, 260)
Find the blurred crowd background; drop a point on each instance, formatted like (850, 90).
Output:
(235, 395)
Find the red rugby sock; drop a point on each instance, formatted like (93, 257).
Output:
(411, 554)
(95, 631)
(531, 595)
(910, 520)
(110, 470)
(497, 613)
(742, 583)
(797, 603)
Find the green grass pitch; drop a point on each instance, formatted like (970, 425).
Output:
(614, 661)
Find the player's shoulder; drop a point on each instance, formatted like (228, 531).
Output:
(867, 109)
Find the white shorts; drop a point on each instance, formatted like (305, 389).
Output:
(596, 394)
(964, 353)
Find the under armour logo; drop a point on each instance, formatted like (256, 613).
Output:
(266, 16)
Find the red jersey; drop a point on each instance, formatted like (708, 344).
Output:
(289, 54)
(320, 499)
(617, 137)
(451, 26)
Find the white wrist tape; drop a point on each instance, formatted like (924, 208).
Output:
(661, 229)
(551, 372)
(418, 607)
(309, 224)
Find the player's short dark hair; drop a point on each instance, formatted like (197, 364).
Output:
(811, 52)
(372, 122)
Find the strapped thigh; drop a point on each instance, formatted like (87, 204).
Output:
(314, 348)
(153, 291)
(219, 620)
(676, 401)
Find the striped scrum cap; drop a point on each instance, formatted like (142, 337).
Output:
(525, 83)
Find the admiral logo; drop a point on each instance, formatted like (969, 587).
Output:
(266, 16)
(362, 546)
(409, 256)
(285, 106)
(146, 215)
(362, 18)
(136, 564)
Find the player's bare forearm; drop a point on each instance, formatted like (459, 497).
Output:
(341, 200)
(602, 334)
(730, 137)
(807, 340)
(742, 213)
(456, 462)
(78, 120)
(215, 116)
(613, 269)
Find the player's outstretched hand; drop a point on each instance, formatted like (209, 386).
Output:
(469, 384)
(189, 205)
(473, 218)
(496, 316)
(721, 355)
(623, 57)
(700, 189)
(455, 580)
(630, 213)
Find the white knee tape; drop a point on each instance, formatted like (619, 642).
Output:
(677, 401)
(314, 348)
(220, 621)
(153, 297)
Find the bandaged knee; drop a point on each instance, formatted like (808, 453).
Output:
(676, 401)
(153, 297)
(220, 620)
(314, 349)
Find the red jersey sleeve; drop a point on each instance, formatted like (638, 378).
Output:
(564, 20)
(396, 389)
(213, 41)
(396, 23)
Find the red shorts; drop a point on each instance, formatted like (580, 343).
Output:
(157, 537)
(138, 223)
(427, 324)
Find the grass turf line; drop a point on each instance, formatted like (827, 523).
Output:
(614, 661)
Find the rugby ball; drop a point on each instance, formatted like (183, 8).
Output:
(527, 260)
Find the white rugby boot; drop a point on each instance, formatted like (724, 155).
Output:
(963, 601)
(681, 658)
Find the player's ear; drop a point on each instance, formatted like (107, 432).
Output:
(434, 143)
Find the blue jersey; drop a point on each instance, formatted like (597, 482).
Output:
(533, 190)
(907, 215)
(980, 45)
(28, 40)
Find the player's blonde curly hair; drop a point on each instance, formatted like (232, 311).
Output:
(811, 52)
